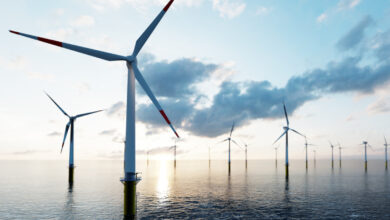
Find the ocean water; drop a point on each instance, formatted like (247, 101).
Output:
(193, 190)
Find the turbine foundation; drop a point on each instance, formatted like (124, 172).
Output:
(365, 166)
(70, 175)
(130, 200)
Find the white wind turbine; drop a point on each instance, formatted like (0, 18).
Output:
(386, 152)
(70, 125)
(130, 175)
(332, 146)
(286, 129)
(365, 143)
(306, 148)
(229, 139)
(339, 153)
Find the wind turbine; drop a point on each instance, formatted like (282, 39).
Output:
(209, 156)
(286, 129)
(276, 156)
(246, 154)
(340, 153)
(314, 158)
(230, 140)
(70, 125)
(385, 153)
(130, 175)
(332, 146)
(365, 143)
(174, 154)
(306, 147)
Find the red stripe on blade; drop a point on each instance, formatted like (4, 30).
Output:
(14, 32)
(165, 116)
(54, 42)
(177, 135)
(168, 5)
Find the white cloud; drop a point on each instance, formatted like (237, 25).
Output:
(60, 34)
(262, 10)
(322, 17)
(83, 21)
(347, 4)
(229, 8)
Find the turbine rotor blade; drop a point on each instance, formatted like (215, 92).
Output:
(88, 113)
(149, 30)
(237, 144)
(297, 132)
(285, 114)
(280, 136)
(231, 130)
(57, 105)
(149, 92)
(91, 52)
(66, 132)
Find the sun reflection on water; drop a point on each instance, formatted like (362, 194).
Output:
(162, 189)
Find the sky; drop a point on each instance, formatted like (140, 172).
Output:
(210, 63)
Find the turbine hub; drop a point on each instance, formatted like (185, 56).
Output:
(285, 128)
(131, 59)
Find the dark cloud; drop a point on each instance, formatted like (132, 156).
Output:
(54, 133)
(244, 101)
(108, 132)
(116, 109)
(175, 79)
(355, 35)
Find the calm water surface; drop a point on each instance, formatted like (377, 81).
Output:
(39, 190)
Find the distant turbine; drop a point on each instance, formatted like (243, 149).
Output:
(385, 153)
(306, 146)
(365, 143)
(174, 147)
(230, 140)
(286, 129)
(246, 154)
(276, 156)
(130, 175)
(70, 125)
(209, 156)
(332, 146)
(339, 153)
(314, 158)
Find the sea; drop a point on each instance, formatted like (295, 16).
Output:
(194, 189)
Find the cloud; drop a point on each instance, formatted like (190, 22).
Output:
(263, 10)
(108, 132)
(355, 35)
(248, 100)
(54, 133)
(229, 8)
(117, 109)
(347, 4)
(83, 21)
(185, 72)
(322, 17)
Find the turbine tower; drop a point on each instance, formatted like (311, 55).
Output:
(276, 156)
(314, 158)
(230, 140)
(130, 175)
(306, 147)
(246, 155)
(209, 156)
(385, 153)
(332, 146)
(286, 129)
(70, 125)
(339, 153)
(365, 143)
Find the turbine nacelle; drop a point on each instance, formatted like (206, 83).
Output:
(365, 142)
(285, 128)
